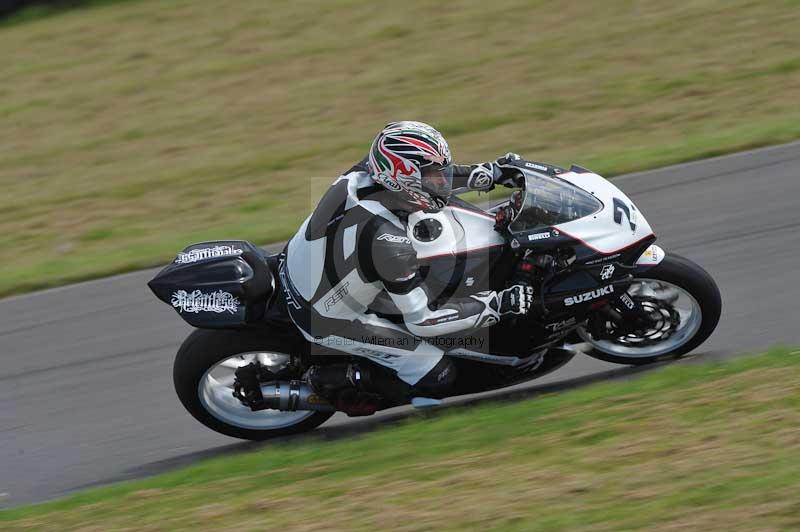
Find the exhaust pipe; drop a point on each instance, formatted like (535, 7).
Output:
(290, 396)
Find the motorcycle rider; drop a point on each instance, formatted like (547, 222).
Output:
(355, 245)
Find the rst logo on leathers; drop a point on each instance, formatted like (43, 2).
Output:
(588, 296)
(337, 296)
(286, 284)
(374, 353)
(394, 238)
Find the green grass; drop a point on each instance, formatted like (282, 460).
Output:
(688, 447)
(51, 8)
(134, 128)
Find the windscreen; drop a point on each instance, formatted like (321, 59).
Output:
(551, 201)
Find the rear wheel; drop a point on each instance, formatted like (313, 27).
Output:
(684, 304)
(203, 375)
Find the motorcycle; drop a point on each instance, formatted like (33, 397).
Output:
(602, 288)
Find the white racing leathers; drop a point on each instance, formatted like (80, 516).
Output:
(352, 248)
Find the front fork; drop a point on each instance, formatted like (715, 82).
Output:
(625, 313)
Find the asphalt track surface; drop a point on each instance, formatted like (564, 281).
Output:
(86, 392)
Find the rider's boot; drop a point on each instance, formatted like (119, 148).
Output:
(353, 384)
(346, 385)
(438, 383)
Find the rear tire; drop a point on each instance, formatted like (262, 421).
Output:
(684, 274)
(204, 349)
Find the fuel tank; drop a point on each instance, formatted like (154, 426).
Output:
(457, 248)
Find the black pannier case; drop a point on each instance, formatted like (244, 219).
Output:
(217, 285)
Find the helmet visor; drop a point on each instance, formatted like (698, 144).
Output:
(437, 180)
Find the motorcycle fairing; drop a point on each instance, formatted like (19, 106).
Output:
(652, 256)
(617, 226)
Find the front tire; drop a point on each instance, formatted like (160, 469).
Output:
(209, 399)
(703, 298)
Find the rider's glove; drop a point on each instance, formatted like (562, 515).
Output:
(482, 177)
(506, 173)
(516, 299)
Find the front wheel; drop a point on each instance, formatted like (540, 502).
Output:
(684, 303)
(203, 375)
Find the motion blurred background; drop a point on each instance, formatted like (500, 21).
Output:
(130, 128)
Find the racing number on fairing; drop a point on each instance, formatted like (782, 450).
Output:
(619, 209)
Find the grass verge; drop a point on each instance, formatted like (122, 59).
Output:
(688, 447)
(41, 10)
(135, 128)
